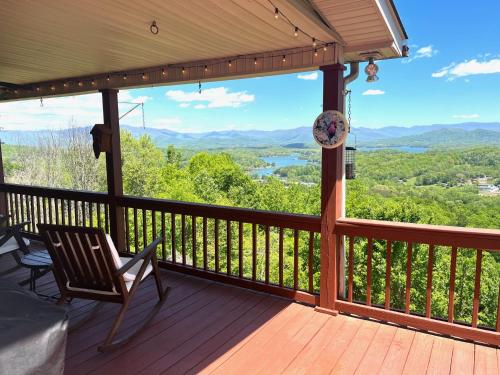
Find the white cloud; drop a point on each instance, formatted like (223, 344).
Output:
(373, 92)
(217, 97)
(467, 116)
(184, 105)
(165, 123)
(422, 52)
(468, 68)
(62, 112)
(308, 76)
(200, 106)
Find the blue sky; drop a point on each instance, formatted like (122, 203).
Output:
(453, 75)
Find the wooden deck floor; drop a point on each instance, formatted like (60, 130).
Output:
(206, 327)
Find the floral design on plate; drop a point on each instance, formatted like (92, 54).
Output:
(330, 129)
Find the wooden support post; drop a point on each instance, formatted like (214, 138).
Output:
(332, 172)
(114, 167)
(3, 195)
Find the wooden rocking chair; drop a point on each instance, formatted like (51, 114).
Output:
(87, 265)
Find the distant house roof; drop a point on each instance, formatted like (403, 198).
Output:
(62, 47)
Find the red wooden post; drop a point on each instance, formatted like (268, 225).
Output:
(332, 171)
(3, 195)
(114, 167)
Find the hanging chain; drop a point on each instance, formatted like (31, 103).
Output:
(348, 93)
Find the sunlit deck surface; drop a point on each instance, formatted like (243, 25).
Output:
(208, 327)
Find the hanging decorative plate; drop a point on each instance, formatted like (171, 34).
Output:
(330, 129)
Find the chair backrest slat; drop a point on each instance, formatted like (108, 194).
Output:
(82, 260)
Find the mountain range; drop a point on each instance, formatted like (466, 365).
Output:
(448, 135)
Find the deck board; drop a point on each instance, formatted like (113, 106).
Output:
(207, 327)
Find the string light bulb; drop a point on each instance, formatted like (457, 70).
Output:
(255, 61)
(143, 76)
(163, 72)
(314, 42)
(80, 83)
(229, 63)
(37, 88)
(125, 77)
(296, 32)
(108, 78)
(315, 53)
(276, 13)
(324, 48)
(284, 58)
(53, 88)
(65, 84)
(16, 92)
(206, 68)
(183, 70)
(92, 83)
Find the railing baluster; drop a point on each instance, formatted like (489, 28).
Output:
(388, 261)
(205, 235)
(451, 292)
(428, 294)
(477, 287)
(267, 249)
(38, 213)
(254, 251)
(91, 214)
(144, 228)
(350, 272)
(33, 217)
(70, 219)
(50, 203)
(18, 209)
(240, 249)
(498, 310)
(75, 204)
(9, 207)
(172, 233)
(280, 257)
(136, 232)
(409, 257)
(163, 239)
(369, 272)
(193, 238)
(153, 225)
(216, 244)
(310, 261)
(295, 259)
(106, 217)
(127, 229)
(84, 213)
(228, 246)
(183, 238)
(56, 205)
(99, 220)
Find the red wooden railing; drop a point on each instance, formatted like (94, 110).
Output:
(276, 252)
(265, 251)
(434, 238)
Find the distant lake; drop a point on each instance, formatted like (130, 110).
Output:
(409, 149)
(278, 161)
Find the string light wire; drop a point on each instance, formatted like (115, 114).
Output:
(315, 44)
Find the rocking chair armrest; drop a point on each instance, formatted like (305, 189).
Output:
(151, 248)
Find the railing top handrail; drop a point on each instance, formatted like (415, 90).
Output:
(247, 215)
(58, 193)
(477, 238)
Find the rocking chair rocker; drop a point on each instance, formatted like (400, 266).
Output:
(87, 265)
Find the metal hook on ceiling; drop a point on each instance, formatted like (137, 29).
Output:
(154, 28)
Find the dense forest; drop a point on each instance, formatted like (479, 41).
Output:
(435, 187)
